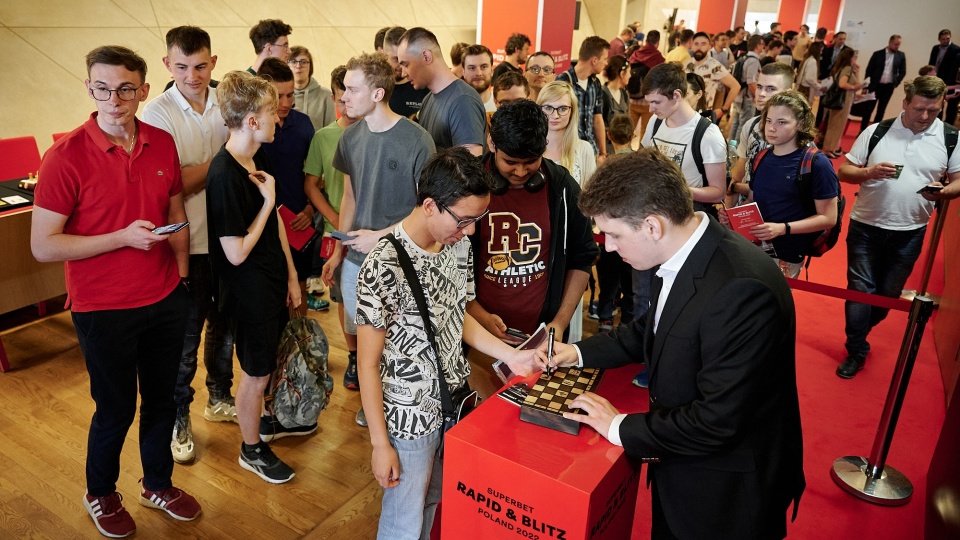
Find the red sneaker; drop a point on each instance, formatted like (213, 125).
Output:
(109, 515)
(173, 501)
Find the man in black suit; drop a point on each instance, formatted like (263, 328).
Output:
(886, 69)
(827, 58)
(946, 57)
(830, 54)
(723, 437)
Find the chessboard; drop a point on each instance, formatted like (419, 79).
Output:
(551, 395)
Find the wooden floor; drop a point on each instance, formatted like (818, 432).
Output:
(43, 429)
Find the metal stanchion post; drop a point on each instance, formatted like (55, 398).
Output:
(872, 479)
(934, 243)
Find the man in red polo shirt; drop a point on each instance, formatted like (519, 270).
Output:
(105, 187)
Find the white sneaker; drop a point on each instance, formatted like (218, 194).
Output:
(315, 285)
(224, 410)
(181, 445)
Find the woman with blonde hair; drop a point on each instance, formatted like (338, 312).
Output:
(564, 146)
(250, 254)
(845, 76)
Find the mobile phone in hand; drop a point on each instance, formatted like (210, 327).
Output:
(930, 189)
(341, 236)
(170, 229)
(514, 333)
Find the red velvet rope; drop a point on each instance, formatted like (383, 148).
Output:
(898, 304)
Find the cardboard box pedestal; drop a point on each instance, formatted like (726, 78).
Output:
(503, 478)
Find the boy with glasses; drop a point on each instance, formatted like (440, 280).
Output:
(398, 363)
(270, 38)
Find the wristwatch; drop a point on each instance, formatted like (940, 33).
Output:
(787, 227)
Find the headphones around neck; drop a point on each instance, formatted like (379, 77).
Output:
(534, 184)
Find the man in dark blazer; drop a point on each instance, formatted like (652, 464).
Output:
(722, 438)
(886, 70)
(946, 57)
(830, 54)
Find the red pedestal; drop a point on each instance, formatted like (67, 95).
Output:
(504, 478)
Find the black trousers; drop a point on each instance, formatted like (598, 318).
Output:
(121, 348)
(883, 92)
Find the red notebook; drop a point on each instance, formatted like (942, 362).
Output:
(298, 240)
(745, 217)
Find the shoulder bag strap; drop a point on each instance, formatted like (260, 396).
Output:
(418, 295)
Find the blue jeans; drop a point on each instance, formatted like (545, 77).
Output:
(126, 350)
(879, 261)
(349, 272)
(217, 345)
(408, 510)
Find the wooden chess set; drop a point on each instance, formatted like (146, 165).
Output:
(551, 395)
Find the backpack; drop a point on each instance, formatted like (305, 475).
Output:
(949, 139)
(698, 133)
(301, 385)
(825, 241)
(638, 70)
(738, 69)
(702, 125)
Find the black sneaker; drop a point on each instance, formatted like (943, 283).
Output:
(261, 460)
(350, 378)
(850, 367)
(271, 428)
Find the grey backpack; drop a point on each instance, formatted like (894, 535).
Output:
(301, 385)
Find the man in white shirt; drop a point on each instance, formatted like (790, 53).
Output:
(714, 74)
(719, 341)
(889, 218)
(189, 112)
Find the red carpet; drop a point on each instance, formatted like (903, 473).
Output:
(840, 417)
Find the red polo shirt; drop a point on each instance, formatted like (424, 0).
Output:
(102, 189)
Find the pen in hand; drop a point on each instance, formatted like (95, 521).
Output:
(550, 339)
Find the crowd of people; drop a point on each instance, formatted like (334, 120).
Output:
(504, 190)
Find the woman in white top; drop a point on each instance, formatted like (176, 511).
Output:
(564, 146)
(807, 82)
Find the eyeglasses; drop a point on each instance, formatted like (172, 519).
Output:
(562, 110)
(537, 70)
(127, 93)
(298, 63)
(462, 223)
(281, 45)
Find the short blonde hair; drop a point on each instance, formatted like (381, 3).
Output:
(241, 93)
(377, 72)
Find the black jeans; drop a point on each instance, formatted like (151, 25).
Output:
(218, 344)
(119, 347)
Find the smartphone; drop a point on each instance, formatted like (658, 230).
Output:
(513, 332)
(170, 229)
(341, 236)
(930, 189)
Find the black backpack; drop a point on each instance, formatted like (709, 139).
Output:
(828, 238)
(738, 69)
(949, 139)
(638, 70)
(702, 125)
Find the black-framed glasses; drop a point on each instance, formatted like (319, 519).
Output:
(462, 223)
(126, 93)
(298, 63)
(537, 70)
(562, 110)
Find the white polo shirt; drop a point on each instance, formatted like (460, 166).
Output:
(894, 204)
(198, 138)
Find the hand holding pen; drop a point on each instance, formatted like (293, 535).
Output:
(550, 341)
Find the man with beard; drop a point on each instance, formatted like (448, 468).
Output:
(478, 72)
(713, 73)
(517, 50)
(405, 99)
(540, 72)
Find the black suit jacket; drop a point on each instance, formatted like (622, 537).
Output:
(724, 415)
(826, 61)
(949, 65)
(875, 68)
